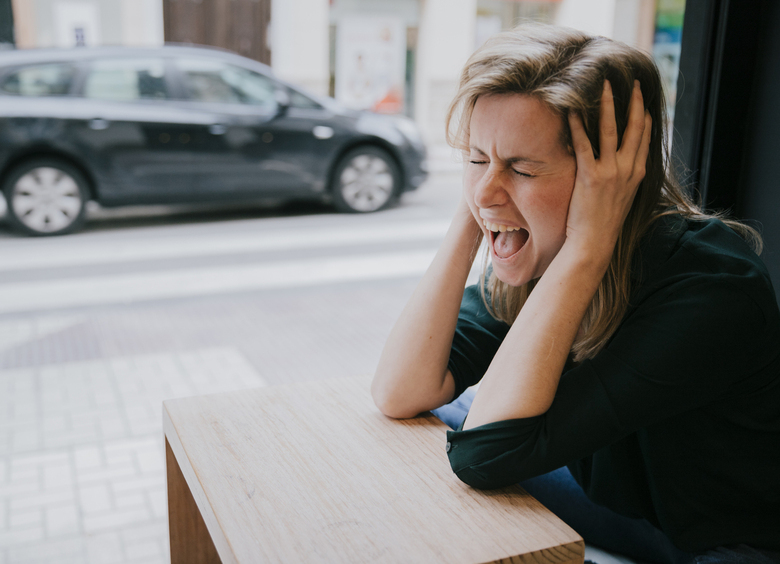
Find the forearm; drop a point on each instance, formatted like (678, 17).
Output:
(523, 377)
(412, 373)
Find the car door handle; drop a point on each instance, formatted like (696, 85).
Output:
(217, 129)
(98, 124)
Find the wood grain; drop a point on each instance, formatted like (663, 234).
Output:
(190, 539)
(315, 473)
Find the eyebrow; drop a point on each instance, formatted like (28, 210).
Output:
(510, 160)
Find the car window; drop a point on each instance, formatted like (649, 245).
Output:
(40, 80)
(126, 79)
(298, 100)
(213, 81)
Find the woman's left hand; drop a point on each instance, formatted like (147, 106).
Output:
(604, 188)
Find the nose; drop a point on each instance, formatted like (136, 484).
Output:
(491, 189)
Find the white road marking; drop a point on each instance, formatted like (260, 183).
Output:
(25, 254)
(129, 288)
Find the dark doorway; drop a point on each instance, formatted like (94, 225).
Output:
(6, 25)
(238, 25)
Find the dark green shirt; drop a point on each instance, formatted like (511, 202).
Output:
(677, 419)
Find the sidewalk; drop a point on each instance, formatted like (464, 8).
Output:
(82, 476)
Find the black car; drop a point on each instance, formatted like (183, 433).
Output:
(179, 124)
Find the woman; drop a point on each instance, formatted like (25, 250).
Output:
(627, 344)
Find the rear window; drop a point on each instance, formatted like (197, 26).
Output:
(52, 79)
(126, 80)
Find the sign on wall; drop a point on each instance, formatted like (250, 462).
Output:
(77, 23)
(371, 63)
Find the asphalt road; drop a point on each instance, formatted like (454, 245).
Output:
(301, 291)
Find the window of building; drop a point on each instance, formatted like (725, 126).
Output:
(495, 16)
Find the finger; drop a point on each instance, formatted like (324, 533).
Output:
(608, 138)
(579, 140)
(640, 163)
(635, 129)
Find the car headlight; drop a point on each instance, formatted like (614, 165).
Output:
(409, 129)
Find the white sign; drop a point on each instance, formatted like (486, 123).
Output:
(371, 63)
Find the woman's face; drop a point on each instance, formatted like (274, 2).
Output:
(518, 181)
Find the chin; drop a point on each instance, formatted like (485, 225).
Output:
(514, 279)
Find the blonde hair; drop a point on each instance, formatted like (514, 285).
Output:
(566, 70)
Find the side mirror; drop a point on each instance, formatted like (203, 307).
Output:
(282, 101)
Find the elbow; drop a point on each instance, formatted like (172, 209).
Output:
(390, 405)
(479, 479)
(490, 458)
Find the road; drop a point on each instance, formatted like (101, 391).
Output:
(97, 328)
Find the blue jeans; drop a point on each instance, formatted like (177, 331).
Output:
(601, 527)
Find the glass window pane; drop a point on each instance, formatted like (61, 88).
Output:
(214, 81)
(40, 80)
(126, 79)
(298, 100)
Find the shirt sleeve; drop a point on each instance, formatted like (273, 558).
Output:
(477, 338)
(682, 348)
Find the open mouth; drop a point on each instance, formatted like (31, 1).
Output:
(506, 241)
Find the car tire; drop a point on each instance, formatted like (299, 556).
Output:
(46, 196)
(366, 179)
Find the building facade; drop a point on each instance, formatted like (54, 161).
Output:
(396, 56)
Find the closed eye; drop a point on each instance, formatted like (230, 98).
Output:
(478, 162)
(524, 174)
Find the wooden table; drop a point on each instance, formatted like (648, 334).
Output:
(315, 473)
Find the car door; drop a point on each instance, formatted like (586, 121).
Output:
(251, 146)
(139, 138)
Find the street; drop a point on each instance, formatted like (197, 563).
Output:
(99, 327)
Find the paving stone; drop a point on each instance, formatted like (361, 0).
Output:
(104, 474)
(19, 536)
(144, 551)
(62, 520)
(57, 476)
(59, 551)
(138, 483)
(24, 461)
(130, 500)
(87, 457)
(20, 488)
(95, 498)
(158, 500)
(104, 548)
(28, 517)
(155, 529)
(115, 519)
(148, 560)
(42, 499)
(25, 440)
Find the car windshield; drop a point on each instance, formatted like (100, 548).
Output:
(213, 81)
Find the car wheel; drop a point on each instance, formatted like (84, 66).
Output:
(46, 197)
(366, 179)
